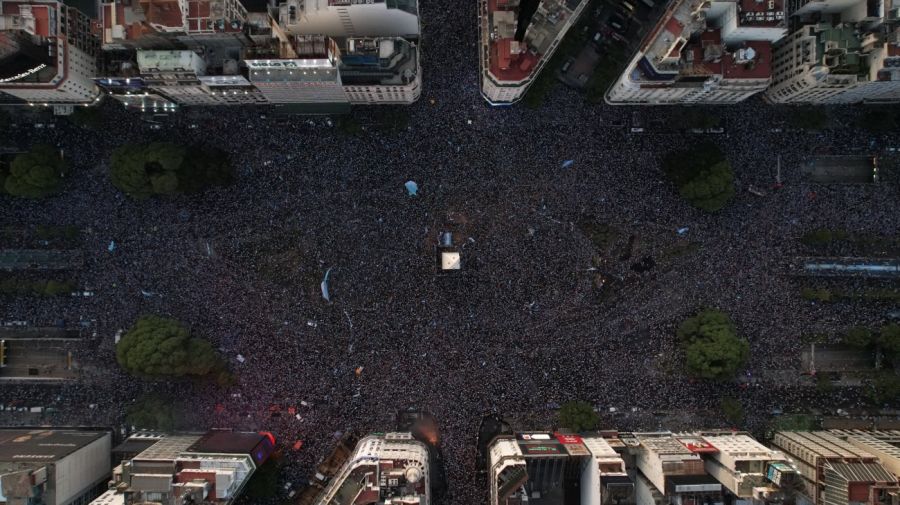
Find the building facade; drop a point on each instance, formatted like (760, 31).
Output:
(323, 54)
(713, 52)
(48, 54)
(513, 50)
(210, 468)
(384, 469)
(836, 471)
(842, 51)
(53, 466)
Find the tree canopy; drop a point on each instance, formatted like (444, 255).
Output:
(578, 416)
(711, 346)
(35, 174)
(159, 347)
(858, 336)
(702, 175)
(164, 168)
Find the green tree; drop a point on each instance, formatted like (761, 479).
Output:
(889, 339)
(711, 346)
(733, 410)
(36, 174)
(578, 416)
(204, 167)
(151, 412)
(128, 171)
(858, 336)
(164, 168)
(702, 175)
(884, 388)
(159, 347)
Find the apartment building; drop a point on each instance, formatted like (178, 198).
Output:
(324, 55)
(845, 51)
(48, 55)
(704, 52)
(836, 471)
(517, 38)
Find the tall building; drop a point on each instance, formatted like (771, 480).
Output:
(742, 464)
(48, 55)
(707, 52)
(837, 471)
(517, 38)
(672, 472)
(210, 468)
(321, 54)
(43, 466)
(384, 469)
(556, 468)
(854, 60)
(884, 444)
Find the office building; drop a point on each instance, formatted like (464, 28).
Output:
(742, 464)
(517, 38)
(855, 60)
(210, 468)
(672, 472)
(883, 444)
(556, 468)
(711, 52)
(41, 466)
(319, 55)
(836, 471)
(48, 55)
(384, 469)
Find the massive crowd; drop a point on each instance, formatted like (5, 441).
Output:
(525, 326)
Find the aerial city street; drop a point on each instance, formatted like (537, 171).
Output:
(414, 231)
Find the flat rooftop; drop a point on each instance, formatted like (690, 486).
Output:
(513, 60)
(228, 442)
(43, 446)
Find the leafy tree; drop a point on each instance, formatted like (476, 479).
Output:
(711, 346)
(858, 336)
(159, 347)
(36, 174)
(889, 339)
(151, 413)
(164, 168)
(702, 175)
(884, 388)
(733, 410)
(128, 171)
(823, 383)
(204, 167)
(578, 416)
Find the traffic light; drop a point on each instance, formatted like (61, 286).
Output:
(2, 353)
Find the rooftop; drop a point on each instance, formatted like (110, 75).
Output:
(230, 442)
(43, 445)
(378, 61)
(514, 60)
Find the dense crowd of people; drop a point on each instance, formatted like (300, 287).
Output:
(524, 327)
